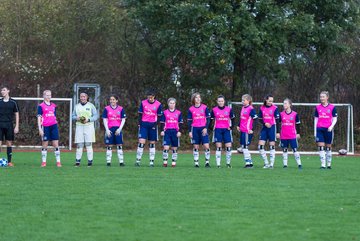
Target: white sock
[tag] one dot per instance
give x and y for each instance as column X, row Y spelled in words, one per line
column 207, row 155
column 120, row 154
column 218, row 156
column 285, row 157
column 247, row 155
column 79, row 152
column 152, row 153
column 263, row 155
column 228, row 155
column 43, row 154
column 140, row 151
column 57, row 154
column 108, row 154
column 272, row 156
column 90, row 152
column 165, row 155
column 297, row 158
column 322, row 158
column 328, row 157
column 174, row 156
column 196, row 155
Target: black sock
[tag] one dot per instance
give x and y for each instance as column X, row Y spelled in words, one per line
column 9, row 153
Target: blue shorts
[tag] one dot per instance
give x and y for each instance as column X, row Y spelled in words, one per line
column 245, row 139
column 170, row 138
column 113, row 139
column 222, row 135
column 268, row 133
column 149, row 131
column 292, row 142
column 51, row 133
column 198, row 137
column 323, row 135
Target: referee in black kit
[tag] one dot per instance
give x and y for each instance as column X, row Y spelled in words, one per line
column 8, row 109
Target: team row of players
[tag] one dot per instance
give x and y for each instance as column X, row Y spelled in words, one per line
column 199, row 119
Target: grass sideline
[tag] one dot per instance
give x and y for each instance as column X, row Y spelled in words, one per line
column 181, row 203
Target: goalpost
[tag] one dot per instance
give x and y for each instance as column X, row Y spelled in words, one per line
column 28, row 136
column 343, row 131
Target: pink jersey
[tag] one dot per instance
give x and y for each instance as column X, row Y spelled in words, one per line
column 222, row 117
column 198, row 115
column 269, row 114
column 114, row 115
column 288, row 125
column 325, row 115
column 172, row 119
column 48, row 114
column 150, row 111
column 247, row 116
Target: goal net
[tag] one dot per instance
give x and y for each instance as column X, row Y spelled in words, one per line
column 343, row 131
column 28, row 136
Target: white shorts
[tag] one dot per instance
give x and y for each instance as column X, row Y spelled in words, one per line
column 84, row 133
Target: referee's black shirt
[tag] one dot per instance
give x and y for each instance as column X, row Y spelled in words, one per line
column 7, row 110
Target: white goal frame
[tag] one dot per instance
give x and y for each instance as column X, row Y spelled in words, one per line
column 70, row 100
column 350, row 146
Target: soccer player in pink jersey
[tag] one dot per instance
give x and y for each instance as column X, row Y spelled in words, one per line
column 171, row 122
column 149, row 112
column 289, row 134
column 114, row 119
column 48, row 128
column 325, row 118
column 223, row 117
column 198, row 124
column 247, row 117
column 269, row 114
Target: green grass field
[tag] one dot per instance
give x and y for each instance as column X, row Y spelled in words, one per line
column 182, row 203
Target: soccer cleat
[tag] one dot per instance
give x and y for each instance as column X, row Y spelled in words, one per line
column 218, row 166
column 228, row 166
column 173, row 164
column 247, row 166
column 251, row 165
column 164, row 164
column 108, row 164
column 266, row 166
column 299, row 167
column 122, row 164
column 58, row 164
column 196, row 165
column 137, row 164
column 77, row 164
column 207, row 165
column 89, row 163
column 322, row 168
column 271, row 167
column 329, row 167
column 10, row 164
column 285, row 166
column 43, row 164
column 151, row 164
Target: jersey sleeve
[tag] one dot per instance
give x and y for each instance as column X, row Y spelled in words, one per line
column 189, row 115
column 260, row 115
column 276, row 113
column 207, row 113
column 180, row 120
column 16, row 107
column 159, row 110
column 334, row 112
column 212, row 115
column 39, row 111
column 232, row 115
column 123, row 114
column 140, row 108
column 253, row 114
column 316, row 114
column 297, row 119
column 104, row 114
column 162, row 119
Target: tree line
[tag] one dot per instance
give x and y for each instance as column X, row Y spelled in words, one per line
column 287, row 48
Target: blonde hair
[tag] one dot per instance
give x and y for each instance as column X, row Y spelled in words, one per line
column 247, row 97
column 171, row 99
column 325, row 93
column 46, row 91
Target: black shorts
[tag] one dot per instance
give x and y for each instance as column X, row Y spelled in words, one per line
column 6, row 131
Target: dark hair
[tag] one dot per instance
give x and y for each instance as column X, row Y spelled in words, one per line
column 115, row 96
column 193, row 96
column 267, row 97
column 5, row 87
column 220, row 96
column 150, row 91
